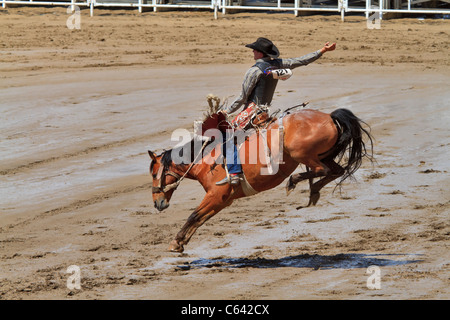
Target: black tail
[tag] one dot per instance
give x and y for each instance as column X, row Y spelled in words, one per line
column 350, row 144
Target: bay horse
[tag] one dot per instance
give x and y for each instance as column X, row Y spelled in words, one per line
column 329, row 145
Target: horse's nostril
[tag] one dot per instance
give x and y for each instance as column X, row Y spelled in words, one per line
column 161, row 204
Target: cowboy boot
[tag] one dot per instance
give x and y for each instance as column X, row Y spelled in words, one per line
column 232, row 179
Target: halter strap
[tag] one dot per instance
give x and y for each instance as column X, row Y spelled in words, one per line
column 169, row 186
column 178, row 178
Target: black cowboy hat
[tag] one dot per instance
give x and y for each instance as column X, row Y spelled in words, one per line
column 265, row 46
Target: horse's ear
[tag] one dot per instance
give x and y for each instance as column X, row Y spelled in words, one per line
column 152, row 155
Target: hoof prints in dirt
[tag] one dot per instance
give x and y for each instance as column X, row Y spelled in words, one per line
column 339, row 261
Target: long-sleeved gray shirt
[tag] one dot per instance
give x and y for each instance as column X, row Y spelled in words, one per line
column 253, row 75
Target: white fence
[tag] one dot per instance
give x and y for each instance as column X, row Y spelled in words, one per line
column 296, row 6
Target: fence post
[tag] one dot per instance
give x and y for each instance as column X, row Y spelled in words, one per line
column 381, row 8
column 224, row 11
column 367, row 8
column 215, row 4
column 91, row 7
column 140, row 6
column 343, row 5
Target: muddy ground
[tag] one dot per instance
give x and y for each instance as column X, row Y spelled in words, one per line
column 80, row 108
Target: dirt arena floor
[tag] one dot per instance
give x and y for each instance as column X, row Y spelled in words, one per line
column 80, row 108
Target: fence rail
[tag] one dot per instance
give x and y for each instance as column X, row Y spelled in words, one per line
column 296, row 6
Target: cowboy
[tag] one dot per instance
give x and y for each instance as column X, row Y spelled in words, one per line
column 259, row 87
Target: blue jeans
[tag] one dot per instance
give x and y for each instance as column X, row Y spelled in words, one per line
column 232, row 155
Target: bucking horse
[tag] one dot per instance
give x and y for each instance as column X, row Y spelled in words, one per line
column 330, row 146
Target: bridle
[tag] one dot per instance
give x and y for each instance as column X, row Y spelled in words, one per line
column 162, row 173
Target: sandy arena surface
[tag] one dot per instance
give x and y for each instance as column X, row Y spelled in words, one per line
column 80, row 108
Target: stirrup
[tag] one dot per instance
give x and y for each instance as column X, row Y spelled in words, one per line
column 233, row 180
column 223, row 181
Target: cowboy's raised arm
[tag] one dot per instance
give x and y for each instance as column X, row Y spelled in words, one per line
column 293, row 63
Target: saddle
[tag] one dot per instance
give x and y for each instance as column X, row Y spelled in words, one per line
column 253, row 117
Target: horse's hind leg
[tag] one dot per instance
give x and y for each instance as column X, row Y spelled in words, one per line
column 328, row 170
column 335, row 172
column 298, row 177
column 314, row 169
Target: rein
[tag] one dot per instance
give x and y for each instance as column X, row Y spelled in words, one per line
column 179, row 178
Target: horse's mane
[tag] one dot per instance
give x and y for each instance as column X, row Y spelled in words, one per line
column 168, row 155
column 166, row 159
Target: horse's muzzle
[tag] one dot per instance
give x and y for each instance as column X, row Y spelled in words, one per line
column 161, row 204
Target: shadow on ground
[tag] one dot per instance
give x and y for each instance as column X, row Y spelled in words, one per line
column 339, row 261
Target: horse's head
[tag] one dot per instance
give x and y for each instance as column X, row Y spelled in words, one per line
column 165, row 180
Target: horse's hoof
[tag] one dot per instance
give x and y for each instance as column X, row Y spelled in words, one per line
column 174, row 246
column 289, row 186
column 313, row 198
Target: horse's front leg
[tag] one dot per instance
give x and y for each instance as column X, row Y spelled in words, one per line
column 210, row 205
